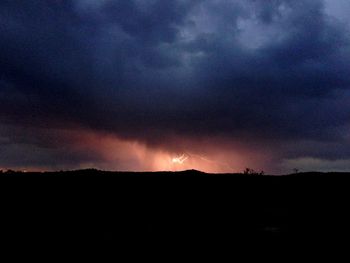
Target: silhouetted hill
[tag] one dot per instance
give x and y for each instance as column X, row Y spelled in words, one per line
column 186, row 173
column 164, row 210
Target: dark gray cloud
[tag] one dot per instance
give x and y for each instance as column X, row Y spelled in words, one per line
column 271, row 71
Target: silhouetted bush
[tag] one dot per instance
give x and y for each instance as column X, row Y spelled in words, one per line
column 249, row 171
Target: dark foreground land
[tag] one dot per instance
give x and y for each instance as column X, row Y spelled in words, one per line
column 86, row 210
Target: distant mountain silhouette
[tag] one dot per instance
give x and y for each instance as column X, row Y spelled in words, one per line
column 188, row 173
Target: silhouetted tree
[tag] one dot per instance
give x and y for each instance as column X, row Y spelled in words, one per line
column 249, row 171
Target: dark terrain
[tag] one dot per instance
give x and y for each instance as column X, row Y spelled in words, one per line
column 174, row 211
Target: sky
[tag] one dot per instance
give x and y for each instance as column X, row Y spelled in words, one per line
column 148, row 85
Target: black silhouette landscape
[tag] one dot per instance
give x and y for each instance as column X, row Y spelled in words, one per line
column 91, row 208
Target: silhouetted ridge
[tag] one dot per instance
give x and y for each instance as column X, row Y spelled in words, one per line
column 192, row 172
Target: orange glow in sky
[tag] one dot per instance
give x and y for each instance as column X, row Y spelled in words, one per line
column 134, row 156
column 107, row 152
column 126, row 155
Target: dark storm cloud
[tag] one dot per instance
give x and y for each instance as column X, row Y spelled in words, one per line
column 266, row 70
column 42, row 148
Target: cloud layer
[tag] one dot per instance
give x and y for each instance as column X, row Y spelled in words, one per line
column 265, row 79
